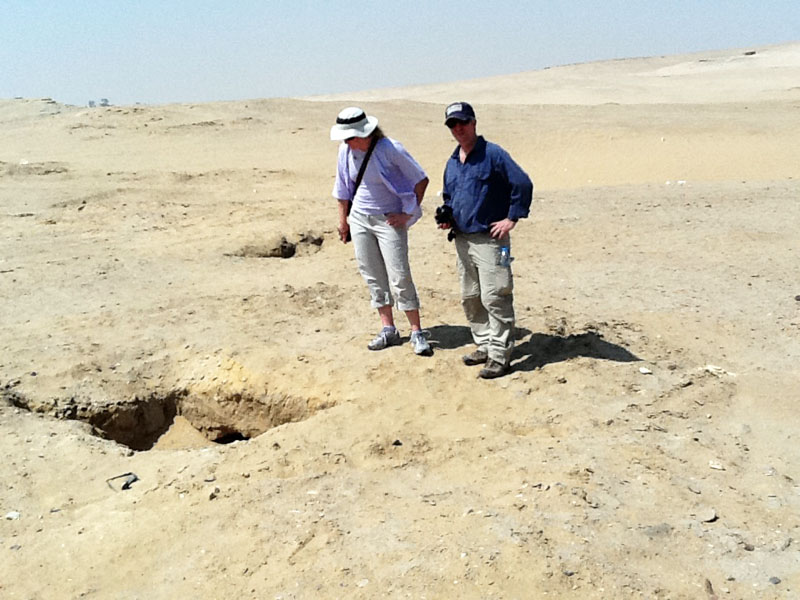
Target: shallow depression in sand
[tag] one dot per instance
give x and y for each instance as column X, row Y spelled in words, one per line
column 220, row 416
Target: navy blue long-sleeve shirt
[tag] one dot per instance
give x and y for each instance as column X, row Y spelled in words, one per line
column 488, row 187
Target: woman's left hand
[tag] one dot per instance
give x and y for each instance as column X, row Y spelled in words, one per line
column 398, row 219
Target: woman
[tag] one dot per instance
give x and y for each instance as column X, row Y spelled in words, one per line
column 377, row 209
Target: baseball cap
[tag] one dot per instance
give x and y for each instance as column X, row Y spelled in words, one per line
column 460, row 111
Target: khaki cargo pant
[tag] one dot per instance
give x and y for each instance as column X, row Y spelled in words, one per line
column 487, row 293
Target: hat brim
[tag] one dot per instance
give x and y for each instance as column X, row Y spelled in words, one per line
column 344, row 132
column 458, row 116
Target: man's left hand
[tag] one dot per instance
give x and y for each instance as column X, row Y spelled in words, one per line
column 501, row 228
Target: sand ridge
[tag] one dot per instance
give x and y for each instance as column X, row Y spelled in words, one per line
column 735, row 75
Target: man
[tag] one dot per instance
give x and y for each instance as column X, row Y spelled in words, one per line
column 488, row 192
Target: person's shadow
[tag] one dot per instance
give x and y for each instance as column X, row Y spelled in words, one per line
column 540, row 348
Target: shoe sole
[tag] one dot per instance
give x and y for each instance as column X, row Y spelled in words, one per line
column 471, row 362
column 389, row 345
column 493, row 374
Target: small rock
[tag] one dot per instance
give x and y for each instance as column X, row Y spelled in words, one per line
column 645, row 371
column 774, row 580
column 214, row 494
column 715, row 465
column 12, row 516
column 707, row 515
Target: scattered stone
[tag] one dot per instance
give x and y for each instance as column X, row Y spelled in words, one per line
column 707, row 515
column 718, row 371
column 710, row 590
column 214, row 494
column 12, row 516
column 645, row 371
column 774, row 580
column 749, row 547
column 716, row 465
column 129, row 479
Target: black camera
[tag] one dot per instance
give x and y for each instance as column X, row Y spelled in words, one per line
column 444, row 216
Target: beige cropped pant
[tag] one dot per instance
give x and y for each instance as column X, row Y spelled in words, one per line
column 382, row 257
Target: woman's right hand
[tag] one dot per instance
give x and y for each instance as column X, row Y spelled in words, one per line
column 344, row 229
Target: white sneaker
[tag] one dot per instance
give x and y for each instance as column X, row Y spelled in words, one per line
column 387, row 337
column 420, row 344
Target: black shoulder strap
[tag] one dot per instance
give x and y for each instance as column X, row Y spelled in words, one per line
column 360, row 176
column 364, row 164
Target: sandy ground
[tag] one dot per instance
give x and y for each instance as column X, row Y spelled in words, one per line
column 645, row 444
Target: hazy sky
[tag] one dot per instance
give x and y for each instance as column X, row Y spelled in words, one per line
column 157, row 51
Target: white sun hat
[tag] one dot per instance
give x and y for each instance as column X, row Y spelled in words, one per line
column 353, row 122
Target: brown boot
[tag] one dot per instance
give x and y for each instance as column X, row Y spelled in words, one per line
column 475, row 358
column 493, row 369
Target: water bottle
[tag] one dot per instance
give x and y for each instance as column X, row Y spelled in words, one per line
column 505, row 258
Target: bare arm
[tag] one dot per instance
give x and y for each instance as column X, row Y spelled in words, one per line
column 344, row 226
column 401, row 219
column 419, row 189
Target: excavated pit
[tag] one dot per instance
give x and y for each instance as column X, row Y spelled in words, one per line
column 138, row 423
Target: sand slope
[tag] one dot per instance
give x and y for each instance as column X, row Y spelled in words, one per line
column 744, row 74
column 645, row 444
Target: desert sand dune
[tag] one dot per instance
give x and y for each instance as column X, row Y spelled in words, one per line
column 175, row 304
column 740, row 75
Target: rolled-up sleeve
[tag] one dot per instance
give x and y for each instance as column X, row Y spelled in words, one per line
column 342, row 187
column 401, row 159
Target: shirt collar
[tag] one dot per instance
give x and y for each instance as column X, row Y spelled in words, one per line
column 480, row 144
